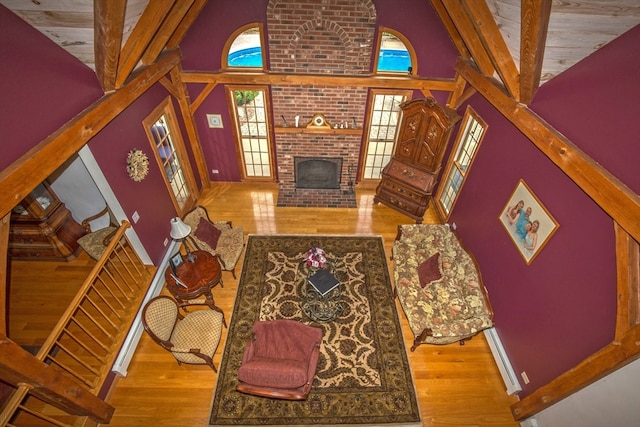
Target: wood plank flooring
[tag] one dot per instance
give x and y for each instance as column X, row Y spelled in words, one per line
column 457, row 385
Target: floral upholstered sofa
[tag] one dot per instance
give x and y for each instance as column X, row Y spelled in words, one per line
column 439, row 285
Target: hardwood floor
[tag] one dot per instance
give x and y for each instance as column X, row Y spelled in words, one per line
column 456, row 385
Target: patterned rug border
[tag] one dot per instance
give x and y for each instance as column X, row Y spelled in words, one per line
column 236, row 311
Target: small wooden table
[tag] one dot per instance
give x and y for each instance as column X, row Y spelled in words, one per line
column 200, row 276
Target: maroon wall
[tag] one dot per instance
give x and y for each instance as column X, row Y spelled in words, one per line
column 561, row 308
column 36, row 78
column 150, row 197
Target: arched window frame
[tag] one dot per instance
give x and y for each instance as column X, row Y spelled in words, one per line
column 408, row 46
column 233, row 37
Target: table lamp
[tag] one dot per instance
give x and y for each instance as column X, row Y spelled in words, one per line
column 179, row 232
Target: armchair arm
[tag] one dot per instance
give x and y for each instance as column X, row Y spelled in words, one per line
column 85, row 222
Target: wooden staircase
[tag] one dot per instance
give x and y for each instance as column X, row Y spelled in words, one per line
column 60, row 385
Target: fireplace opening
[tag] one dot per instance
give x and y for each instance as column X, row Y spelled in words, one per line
column 318, row 172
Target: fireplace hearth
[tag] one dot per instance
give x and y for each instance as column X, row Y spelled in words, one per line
column 318, row 172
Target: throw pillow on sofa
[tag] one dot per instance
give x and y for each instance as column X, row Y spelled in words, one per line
column 429, row 270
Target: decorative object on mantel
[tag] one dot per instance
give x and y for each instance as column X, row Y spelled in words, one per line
column 318, row 121
column 137, row 165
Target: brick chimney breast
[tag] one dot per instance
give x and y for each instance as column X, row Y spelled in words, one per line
column 319, row 37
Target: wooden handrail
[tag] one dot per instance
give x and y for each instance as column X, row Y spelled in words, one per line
column 84, row 343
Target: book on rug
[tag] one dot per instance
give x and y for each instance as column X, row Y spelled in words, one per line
column 323, row 281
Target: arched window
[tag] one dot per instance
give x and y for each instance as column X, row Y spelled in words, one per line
column 244, row 49
column 394, row 53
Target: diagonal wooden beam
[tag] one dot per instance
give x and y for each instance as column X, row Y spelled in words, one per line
column 451, row 28
column 611, row 194
column 185, row 24
column 142, row 34
column 628, row 260
column 534, row 22
column 19, row 178
column 47, row 382
column 467, row 29
column 168, row 27
column 190, row 125
column 494, row 44
column 108, row 17
column 4, row 283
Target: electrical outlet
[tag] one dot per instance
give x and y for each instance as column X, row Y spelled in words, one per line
column 454, row 226
column 215, row 171
column 525, row 378
column 135, row 217
column 166, row 241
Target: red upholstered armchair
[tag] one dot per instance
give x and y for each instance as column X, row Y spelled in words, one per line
column 281, row 359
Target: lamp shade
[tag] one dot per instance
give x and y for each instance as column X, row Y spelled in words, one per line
column 179, row 230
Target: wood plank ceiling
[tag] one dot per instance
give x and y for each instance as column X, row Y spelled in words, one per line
column 522, row 43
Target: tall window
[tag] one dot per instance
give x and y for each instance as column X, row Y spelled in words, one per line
column 467, row 144
column 252, row 130
column 244, row 49
column 395, row 53
column 169, row 151
column 384, row 116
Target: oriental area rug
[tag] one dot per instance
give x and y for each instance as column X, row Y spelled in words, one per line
column 363, row 376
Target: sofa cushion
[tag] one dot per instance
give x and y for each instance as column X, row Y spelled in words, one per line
column 429, row 270
column 207, row 233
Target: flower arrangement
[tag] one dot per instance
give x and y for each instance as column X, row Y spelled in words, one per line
column 137, row 165
column 315, row 257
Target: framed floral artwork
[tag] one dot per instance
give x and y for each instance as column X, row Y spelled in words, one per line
column 527, row 222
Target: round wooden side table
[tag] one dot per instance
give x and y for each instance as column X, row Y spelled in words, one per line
column 198, row 277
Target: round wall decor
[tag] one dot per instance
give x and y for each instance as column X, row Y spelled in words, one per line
column 318, row 120
column 137, row 165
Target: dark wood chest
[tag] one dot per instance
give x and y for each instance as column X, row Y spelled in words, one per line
column 409, row 179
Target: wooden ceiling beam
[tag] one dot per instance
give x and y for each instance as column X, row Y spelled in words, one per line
column 140, row 37
column 108, row 16
column 451, row 28
column 168, row 27
column 534, row 23
column 611, row 194
column 465, row 25
column 494, row 44
column 33, row 167
column 185, row 24
column 283, row 79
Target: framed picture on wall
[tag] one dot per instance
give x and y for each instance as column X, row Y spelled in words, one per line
column 527, row 222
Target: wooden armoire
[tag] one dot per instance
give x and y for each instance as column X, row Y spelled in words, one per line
column 410, row 176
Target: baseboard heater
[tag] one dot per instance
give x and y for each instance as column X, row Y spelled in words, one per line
column 504, row 365
column 130, row 343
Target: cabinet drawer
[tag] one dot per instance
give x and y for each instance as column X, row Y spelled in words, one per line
column 412, row 207
column 402, row 190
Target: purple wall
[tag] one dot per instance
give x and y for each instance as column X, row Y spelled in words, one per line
column 562, row 307
column 150, row 197
column 36, row 78
column 550, row 314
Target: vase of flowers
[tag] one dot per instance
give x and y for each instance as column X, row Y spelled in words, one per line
column 315, row 258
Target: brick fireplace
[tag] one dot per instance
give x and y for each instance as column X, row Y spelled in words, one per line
column 311, row 37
